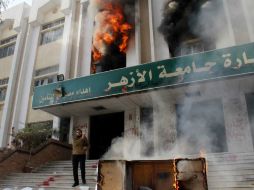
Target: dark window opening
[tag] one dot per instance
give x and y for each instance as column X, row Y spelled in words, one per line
column 200, row 126
column 113, row 60
column 104, row 129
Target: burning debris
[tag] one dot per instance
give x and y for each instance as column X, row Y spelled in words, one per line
column 179, row 17
column 111, row 34
column 178, row 174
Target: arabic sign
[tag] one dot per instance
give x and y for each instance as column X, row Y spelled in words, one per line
column 182, row 70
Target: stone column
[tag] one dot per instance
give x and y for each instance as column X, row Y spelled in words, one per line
column 65, row 56
column 133, row 56
column 26, row 77
column 237, row 125
column 5, row 126
column 249, row 16
column 88, row 27
column 161, row 50
column 81, row 41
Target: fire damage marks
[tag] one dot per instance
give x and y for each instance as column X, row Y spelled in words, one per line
column 178, row 174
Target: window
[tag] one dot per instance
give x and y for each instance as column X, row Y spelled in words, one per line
column 194, row 46
column 47, row 70
column 46, row 75
column 46, row 80
column 4, row 81
column 7, row 46
column 52, row 31
column 2, row 93
column 8, row 40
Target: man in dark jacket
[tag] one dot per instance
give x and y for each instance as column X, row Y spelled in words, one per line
column 79, row 148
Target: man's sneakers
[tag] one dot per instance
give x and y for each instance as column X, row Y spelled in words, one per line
column 84, row 181
column 75, row 184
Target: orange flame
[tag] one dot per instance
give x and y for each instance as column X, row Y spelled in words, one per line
column 111, row 28
column 203, row 154
column 175, row 184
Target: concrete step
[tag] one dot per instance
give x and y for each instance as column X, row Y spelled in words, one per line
column 230, row 173
column 50, row 173
column 46, row 187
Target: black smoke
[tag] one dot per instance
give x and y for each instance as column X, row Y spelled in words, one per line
column 179, row 16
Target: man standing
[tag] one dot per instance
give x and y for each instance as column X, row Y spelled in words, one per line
column 79, row 148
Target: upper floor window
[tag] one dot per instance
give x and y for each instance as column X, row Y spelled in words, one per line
column 2, row 93
column 46, row 76
column 7, row 46
column 194, row 46
column 4, row 81
column 52, row 31
column 46, row 71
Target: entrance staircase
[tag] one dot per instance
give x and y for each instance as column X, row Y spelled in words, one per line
column 225, row 172
column 230, row 171
column 55, row 175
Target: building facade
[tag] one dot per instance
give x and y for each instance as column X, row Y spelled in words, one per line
column 49, row 38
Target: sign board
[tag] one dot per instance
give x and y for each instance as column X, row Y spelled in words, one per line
column 220, row 63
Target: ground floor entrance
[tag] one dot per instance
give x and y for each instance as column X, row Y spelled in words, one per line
column 103, row 129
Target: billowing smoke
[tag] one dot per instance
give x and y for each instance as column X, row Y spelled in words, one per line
column 183, row 129
column 178, row 16
column 193, row 123
column 194, row 19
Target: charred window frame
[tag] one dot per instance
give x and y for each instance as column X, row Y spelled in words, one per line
column 52, row 31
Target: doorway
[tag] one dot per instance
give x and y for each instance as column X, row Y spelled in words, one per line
column 64, row 130
column 103, row 129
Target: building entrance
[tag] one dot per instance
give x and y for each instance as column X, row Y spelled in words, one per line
column 103, row 129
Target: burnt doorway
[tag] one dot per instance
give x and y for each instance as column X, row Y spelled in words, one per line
column 201, row 126
column 103, row 129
